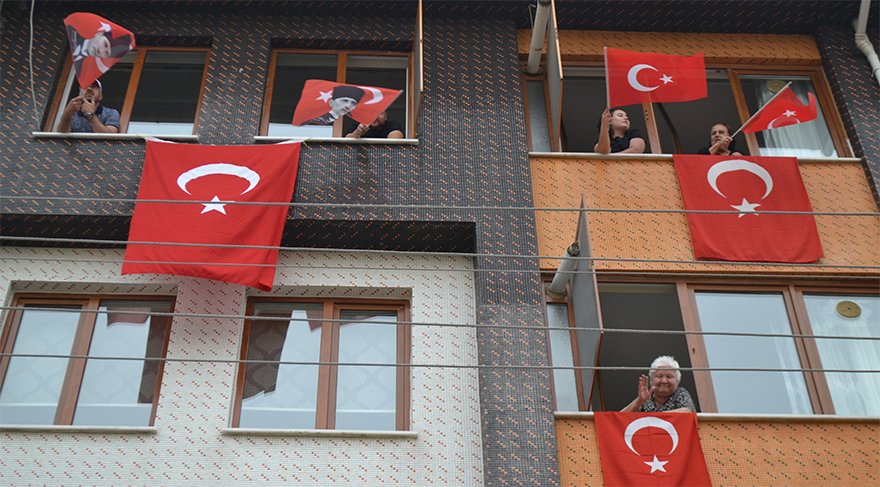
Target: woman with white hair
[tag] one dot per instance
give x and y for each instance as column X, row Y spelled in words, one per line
column 664, row 396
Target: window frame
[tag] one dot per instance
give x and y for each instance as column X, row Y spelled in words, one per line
column 341, row 72
column 141, row 52
column 75, row 370
column 325, row 405
column 575, row 351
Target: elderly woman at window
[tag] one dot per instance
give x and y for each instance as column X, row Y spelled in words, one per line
column 664, row 395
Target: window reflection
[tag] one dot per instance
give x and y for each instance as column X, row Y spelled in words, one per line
column 560, row 349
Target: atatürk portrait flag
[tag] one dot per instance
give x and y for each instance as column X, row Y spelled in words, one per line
column 207, row 238
column 323, row 102
column 646, row 77
column 748, row 187
column 96, row 44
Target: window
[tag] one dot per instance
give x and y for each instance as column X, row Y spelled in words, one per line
column 38, row 389
column 156, row 90
column 709, row 312
column 734, row 94
column 288, row 71
column 337, row 393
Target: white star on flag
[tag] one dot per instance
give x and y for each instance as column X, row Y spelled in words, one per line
column 788, row 113
column 325, row 96
column 656, row 465
column 746, row 207
column 219, row 207
column 666, row 79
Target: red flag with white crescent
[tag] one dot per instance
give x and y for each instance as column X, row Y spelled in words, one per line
column 637, row 77
column 782, row 110
column 750, row 186
column 323, row 102
column 650, row 449
column 96, row 44
column 223, row 241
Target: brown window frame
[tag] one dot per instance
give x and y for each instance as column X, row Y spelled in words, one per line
column 816, row 74
column 325, row 410
column 73, row 376
column 341, row 70
column 575, row 354
column 131, row 90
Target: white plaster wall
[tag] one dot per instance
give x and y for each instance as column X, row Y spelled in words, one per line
column 188, row 447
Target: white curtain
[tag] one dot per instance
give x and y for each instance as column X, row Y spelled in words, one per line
column 808, row 139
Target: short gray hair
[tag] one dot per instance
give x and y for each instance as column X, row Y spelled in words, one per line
column 665, row 361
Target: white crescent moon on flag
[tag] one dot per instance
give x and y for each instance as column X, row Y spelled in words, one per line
column 738, row 165
column 377, row 95
column 772, row 125
column 219, row 168
column 649, row 422
column 632, row 77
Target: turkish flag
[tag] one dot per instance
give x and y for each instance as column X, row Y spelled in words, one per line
column 95, row 45
column 188, row 172
column 650, row 449
column 322, row 102
column 785, row 108
column 750, row 185
column 637, row 77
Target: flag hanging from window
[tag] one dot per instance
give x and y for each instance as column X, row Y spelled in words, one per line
column 656, row 449
column 223, row 240
column 749, row 186
column 645, row 77
column 96, row 44
column 785, row 108
column 323, row 102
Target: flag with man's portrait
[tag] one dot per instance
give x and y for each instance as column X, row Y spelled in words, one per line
column 323, row 102
column 96, row 44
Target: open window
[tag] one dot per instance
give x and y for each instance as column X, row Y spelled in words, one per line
column 289, row 69
column 157, row 91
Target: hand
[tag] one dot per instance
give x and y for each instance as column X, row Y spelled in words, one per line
column 88, row 105
column 361, row 129
column 644, row 392
column 74, row 106
column 606, row 117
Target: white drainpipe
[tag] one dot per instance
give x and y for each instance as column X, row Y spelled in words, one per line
column 539, row 31
column 862, row 41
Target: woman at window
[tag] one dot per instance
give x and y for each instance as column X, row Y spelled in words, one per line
column 664, row 396
column 615, row 134
column 720, row 142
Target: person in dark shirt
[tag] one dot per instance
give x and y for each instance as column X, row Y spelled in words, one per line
column 720, row 142
column 615, row 134
column 664, row 394
column 381, row 128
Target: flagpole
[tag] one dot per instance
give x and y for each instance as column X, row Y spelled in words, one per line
column 607, row 90
column 759, row 110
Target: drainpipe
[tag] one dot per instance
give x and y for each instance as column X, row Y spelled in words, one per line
column 862, row 41
column 539, row 31
column 566, row 268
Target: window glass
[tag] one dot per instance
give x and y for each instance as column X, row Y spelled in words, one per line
column 366, row 395
column 32, row 385
column 168, row 93
column 853, row 394
column 291, row 72
column 282, row 395
column 808, row 139
column 121, row 392
column 562, row 352
column 538, row 125
column 752, row 392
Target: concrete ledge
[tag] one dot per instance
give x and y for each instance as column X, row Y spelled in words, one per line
column 401, row 435
column 335, row 140
column 655, row 157
column 118, row 430
column 753, row 418
column 92, row 136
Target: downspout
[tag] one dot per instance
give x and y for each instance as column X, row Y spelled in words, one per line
column 539, row 31
column 862, row 41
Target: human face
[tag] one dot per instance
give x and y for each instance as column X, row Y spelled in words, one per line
column 99, row 46
column 664, row 382
column 92, row 93
column 343, row 104
column 719, row 131
column 619, row 121
column 380, row 120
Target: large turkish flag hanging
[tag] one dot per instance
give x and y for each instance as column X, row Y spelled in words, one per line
column 750, row 186
column 650, row 449
column 223, row 240
column 95, row 45
column 645, row 77
column 323, row 102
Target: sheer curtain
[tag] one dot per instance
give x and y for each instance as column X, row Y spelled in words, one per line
column 808, row 139
column 854, row 394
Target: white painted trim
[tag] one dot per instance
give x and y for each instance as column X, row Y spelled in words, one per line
column 401, row 435
column 121, row 430
column 657, row 157
column 336, row 140
column 752, row 418
column 94, row 136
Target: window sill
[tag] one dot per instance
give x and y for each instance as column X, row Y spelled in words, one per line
column 335, row 140
column 93, row 136
column 122, row 430
column 658, row 157
column 752, row 418
column 401, row 435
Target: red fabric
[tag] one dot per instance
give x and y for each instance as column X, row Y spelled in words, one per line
column 636, row 77
column 658, row 460
column 186, row 172
column 785, row 109
column 768, row 184
column 315, row 101
column 85, row 26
